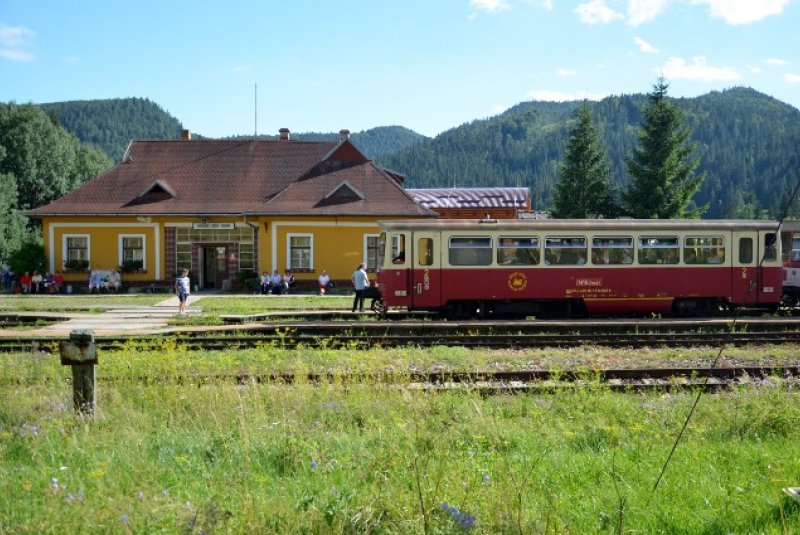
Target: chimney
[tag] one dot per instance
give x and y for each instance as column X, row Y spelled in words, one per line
column 186, row 135
column 344, row 135
column 284, row 134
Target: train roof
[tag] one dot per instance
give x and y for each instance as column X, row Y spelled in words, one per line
column 583, row 225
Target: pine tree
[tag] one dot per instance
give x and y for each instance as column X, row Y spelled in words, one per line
column 583, row 188
column 662, row 168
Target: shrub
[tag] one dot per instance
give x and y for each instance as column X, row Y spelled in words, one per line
column 30, row 256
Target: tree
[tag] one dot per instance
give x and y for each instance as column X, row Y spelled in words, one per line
column 662, row 168
column 583, row 189
column 43, row 159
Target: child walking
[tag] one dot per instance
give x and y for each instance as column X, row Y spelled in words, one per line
column 182, row 289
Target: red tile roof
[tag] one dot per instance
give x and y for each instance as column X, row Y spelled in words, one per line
column 232, row 177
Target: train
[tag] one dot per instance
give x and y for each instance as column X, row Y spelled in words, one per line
column 522, row 268
column 790, row 247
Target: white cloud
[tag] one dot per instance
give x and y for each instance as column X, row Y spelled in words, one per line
column 792, row 78
column 776, row 61
column 547, row 4
column 699, row 69
column 641, row 11
column 752, row 69
column 555, row 96
column 644, row 46
column 736, row 12
column 597, row 12
column 489, row 5
column 12, row 43
column 561, row 71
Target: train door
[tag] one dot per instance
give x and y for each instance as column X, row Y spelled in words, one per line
column 395, row 277
column 745, row 280
column 754, row 255
column 426, row 273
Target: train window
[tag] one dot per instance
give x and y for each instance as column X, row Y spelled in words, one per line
column 790, row 247
column 704, row 250
column 745, row 250
column 770, row 247
column 381, row 248
column 565, row 251
column 612, row 250
column 399, row 249
column 517, row 251
column 659, row 250
column 425, row 251
column 470, row 251
column 795, row 248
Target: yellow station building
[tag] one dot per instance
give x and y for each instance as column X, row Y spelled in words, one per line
column 221, row 207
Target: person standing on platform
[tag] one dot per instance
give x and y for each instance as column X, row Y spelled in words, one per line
column 360, row 282
column 182, row 289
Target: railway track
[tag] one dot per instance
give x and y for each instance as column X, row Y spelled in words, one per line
column 538, row 334
column 498, row 382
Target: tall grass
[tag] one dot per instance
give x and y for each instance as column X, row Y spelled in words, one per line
column 176, row 455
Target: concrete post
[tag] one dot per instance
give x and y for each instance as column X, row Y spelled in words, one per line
column 80, row 353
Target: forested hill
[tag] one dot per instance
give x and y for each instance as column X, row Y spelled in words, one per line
column 112, row 124
column 747, row 143
column 374, row 142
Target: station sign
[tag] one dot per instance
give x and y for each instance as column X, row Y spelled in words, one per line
column 212, row 226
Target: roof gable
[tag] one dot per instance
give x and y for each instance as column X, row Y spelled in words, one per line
column 341, row 194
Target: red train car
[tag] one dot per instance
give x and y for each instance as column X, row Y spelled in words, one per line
column 518, row 268
column 790, row 245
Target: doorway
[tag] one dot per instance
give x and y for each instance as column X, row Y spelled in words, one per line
column 214, row 266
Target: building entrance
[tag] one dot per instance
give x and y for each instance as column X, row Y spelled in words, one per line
column 214, row 266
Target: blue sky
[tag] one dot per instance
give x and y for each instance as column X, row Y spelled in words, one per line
column 428, row 65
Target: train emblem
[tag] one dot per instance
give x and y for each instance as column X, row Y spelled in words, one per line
column 517, row 281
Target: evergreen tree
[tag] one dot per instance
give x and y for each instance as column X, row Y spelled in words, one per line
column 662, row 169
column 583, row 189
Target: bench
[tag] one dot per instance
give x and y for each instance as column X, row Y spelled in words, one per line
column 103, row 275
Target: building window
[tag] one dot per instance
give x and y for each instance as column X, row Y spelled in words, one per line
column 300, row 252
column 131, row 252
column 244, row 236
column 371, row 251
column 76, row 251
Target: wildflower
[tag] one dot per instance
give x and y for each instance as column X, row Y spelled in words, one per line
column 70, row 497
column 486, row 478
column 313, row 464
column 54, row 483
column 164, row 493
column 124, row 519
column 140, row 495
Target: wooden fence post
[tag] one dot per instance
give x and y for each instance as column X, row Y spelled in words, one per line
column 80, row 353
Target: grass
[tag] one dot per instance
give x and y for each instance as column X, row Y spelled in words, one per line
column 246, row 305
column 182, row 456
column 59, row 303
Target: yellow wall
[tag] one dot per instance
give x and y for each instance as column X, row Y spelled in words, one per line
column 338, row 244
column 104, row 244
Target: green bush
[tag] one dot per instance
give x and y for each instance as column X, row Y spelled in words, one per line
column 30, row 256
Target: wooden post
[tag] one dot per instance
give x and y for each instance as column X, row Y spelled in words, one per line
column 80, row 353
